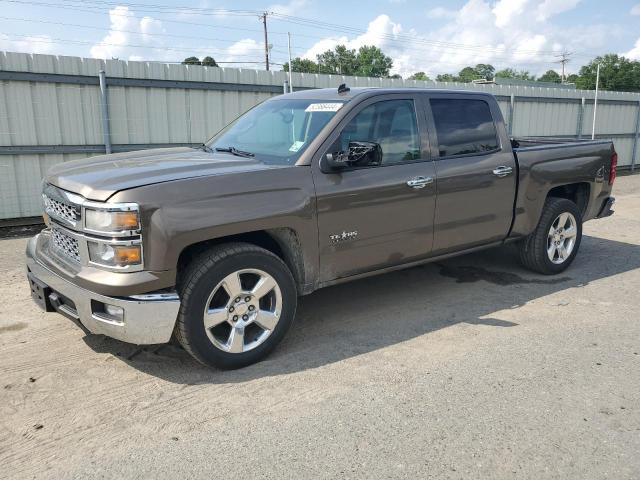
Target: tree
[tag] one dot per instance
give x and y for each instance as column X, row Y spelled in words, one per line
column 303, row 65
column 419, row 76
column 616, row 73
column 191, row 61
column 396, row 76
column 573, row 78
column 371, row 62
column 341, row 60
column 446, row 77
column 367, row 61
column 482, row 71
column 209, row 62
column 550, row 76
column 485, row 70
column 515, row 74
column 467, row 75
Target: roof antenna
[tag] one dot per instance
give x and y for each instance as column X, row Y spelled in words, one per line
column 343, row 88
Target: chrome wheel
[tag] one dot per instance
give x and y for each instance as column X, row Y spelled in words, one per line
column 242, row 310
column 562, row 238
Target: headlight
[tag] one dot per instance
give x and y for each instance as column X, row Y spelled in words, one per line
column 111, row 221
column 115, row 255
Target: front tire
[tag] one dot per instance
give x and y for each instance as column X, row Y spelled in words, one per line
column 237, row 303
column 554, row 244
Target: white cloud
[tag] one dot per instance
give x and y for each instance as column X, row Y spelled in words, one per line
column 291, row 8
column 549, row 8
column 116, row 44
column 504, row 10
column 635, row 10
column 27, row 44
column 441, row 12
column 634, row 53
column 506, row 33
column 245, row 49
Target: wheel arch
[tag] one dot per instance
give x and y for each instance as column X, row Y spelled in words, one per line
column 282, row 242
column 578, row 193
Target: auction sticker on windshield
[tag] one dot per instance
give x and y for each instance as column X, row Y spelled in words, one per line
column 323, row 107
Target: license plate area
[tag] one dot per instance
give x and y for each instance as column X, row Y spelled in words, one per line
column 40, row 293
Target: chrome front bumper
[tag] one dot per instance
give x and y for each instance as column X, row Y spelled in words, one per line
column 148, row 319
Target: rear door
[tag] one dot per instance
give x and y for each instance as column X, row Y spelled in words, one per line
column 373, row 216
column 476, row 171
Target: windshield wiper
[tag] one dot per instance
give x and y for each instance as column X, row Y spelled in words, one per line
column 235, row 151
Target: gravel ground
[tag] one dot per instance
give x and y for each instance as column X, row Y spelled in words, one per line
column 468, row 368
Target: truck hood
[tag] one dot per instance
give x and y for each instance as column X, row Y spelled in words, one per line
column 98, row 178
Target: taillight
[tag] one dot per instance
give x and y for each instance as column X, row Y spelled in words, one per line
column 614, row 167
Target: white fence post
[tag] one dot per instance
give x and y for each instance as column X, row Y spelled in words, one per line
column 104, row 107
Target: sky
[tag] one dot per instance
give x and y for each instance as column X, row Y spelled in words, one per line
column 434, row 36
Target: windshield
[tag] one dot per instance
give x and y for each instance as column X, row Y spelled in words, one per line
column 276, row 131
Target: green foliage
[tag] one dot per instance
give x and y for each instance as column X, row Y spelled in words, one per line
column 206, row 61
column 367, row 61
column 447, row 77
column 302, row 65
column 616, row 73
column 515, row 74
column 485, row 71
column 550, row 76
column 467, row 75
column 209, row 62
column 371, row 62
column 419, row 76
column 481, row 71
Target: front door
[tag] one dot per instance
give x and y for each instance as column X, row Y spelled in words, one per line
column 476, row 172
column 373, row 215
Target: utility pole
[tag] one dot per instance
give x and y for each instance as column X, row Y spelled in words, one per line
column 564, row 59
column 595, row 104
column 290, row 66
column 266, row 40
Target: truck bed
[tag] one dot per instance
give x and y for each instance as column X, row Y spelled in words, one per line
column 520, row 144
column 546, row 163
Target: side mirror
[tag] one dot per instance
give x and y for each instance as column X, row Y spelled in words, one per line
column 359, row 154
column 333, row 161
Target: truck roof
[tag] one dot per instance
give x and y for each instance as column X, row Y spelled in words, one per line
column 332, row 93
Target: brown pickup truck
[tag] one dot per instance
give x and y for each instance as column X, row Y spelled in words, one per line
column 213, row 245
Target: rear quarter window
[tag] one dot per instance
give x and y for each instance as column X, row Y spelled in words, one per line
column 463, row 127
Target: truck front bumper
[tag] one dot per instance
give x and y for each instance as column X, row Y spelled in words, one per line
column 141, row 319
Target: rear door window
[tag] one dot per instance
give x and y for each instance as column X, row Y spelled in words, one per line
column 463, row 127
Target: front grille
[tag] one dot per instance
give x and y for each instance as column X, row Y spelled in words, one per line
column 57, row 209
column 65, row 244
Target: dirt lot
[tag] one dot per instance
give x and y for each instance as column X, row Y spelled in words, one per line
column 469, row 368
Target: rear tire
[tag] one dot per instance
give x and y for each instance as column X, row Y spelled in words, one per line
column 237, row 303
column 554, row 244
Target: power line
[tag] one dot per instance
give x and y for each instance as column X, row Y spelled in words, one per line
column 90, row 27
column 167, row 9
column 37, row 38
column 417, row 45
column 403, row 38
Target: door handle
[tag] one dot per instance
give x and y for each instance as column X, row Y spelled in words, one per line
column 502, row 171
column 419, row 182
